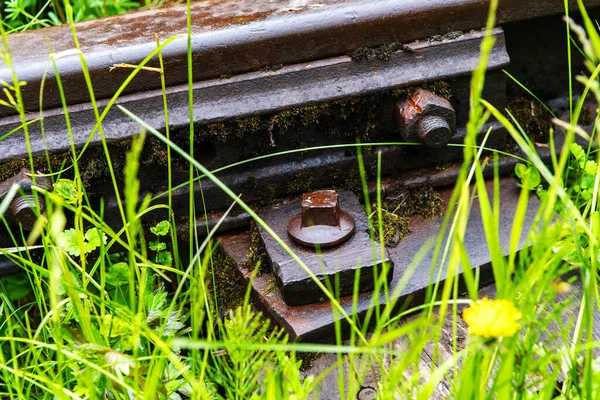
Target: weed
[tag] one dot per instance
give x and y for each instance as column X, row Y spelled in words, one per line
column 92, row 318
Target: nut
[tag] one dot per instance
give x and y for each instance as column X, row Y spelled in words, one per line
column 321, row 222
column 22, row 208
column 427, row 118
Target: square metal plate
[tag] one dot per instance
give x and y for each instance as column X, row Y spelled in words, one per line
column 336, row 266
column 316, row 322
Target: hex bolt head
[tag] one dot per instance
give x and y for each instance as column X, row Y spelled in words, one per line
column 427, row 118
column 321, row 222
column 23, row 208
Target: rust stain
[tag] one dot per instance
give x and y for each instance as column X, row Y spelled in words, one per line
column 414, row 104
column 142, row 26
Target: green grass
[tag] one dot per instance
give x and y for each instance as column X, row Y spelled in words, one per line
column 23, row 15
column 114, row 312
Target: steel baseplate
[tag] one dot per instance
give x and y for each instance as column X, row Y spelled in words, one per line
column 316, row 322
column 337, row 266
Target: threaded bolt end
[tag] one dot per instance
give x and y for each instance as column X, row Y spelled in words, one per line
column 434, row 131
column 23, row 210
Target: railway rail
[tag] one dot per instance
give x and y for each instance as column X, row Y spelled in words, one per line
column 278, row 76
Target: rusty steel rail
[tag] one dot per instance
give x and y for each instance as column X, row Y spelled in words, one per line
column 235, row 37
column 260, row 92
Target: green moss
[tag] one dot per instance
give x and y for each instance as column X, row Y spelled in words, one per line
column 425, row 202
column 224, row 282
column 41, row 164
column 11, row 168
column 248, row 124
column 256, row 252
column 381, row 53
column 396, row 212
column 301, row 116
column 446, row 165
column 272, row 288
column 448, row 36
column 251, row 182
column 274, row 67
column 267, row 197
column 307, row 359
column 335, row 172
column 354, row 181
column 533, row 118
column 218, row 131
column 441, row 88
column 394, row 227
column 222, row 131
column 300, row 183
column 586, row 117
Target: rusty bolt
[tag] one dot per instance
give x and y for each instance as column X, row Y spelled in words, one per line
column 321, row 222
column 22, row 208
column 366, row 393
column 320, row 208
column 427, row 118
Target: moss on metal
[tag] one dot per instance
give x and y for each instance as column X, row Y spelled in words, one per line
column 257, row 254
column 223, row 280
column 533, row 118
column 396, row 212
column 300, row 183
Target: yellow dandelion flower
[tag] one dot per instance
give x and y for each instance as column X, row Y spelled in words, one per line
column 492, row 318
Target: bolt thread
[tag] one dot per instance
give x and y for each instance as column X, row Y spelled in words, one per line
column 434, row 131
column 20, row 203
column 23, row 210
column 431, row 123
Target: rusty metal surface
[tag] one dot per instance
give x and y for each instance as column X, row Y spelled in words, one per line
column 327, row 168
column 266, row 91
column 427, row 118
column 409, row 180
column 335, row 266
column 22, row 209
column 233, row 37
column 315, row 322
column 321, row 223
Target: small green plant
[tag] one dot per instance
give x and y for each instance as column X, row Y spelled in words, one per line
column 68, row 190
column 528, row 175
column 243, row 371
column 579, row 181
column 75, row 246
column 581, row 175
column 163, row 256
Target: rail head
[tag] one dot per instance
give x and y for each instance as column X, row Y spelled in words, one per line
column 234, row 37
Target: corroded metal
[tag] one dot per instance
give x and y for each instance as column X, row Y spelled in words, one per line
column 321, row 223
column 317, row 322
column 266, row 92
column 234, row 37
column 346, row 267
column 23, row 209
column 426, row 117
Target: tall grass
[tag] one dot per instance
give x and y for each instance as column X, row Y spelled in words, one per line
column 115, row 312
